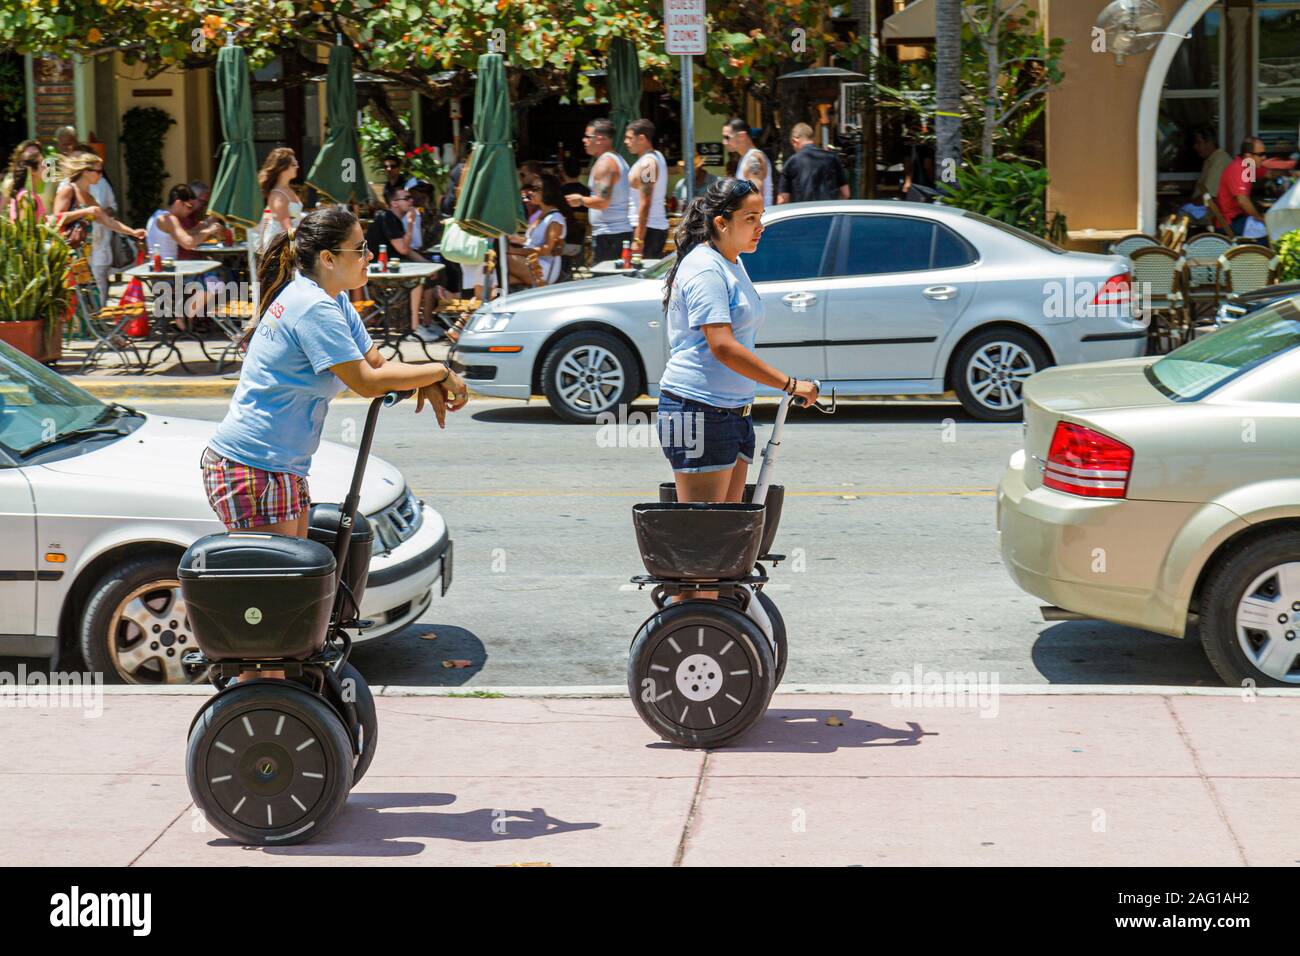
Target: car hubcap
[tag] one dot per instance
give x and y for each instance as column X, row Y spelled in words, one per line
column 589, row 378
column 1268, row 623
column 997, row 373
column 148, row 634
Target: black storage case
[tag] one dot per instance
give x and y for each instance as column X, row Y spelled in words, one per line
column 323, row 525
column 258, row 596
column 698, row 541
column 775, row 498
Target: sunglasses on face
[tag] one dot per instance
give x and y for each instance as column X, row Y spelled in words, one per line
column 363, row 249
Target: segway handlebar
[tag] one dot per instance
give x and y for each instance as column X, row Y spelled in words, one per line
column 392, row 398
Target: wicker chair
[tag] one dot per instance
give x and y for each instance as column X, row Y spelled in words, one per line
column 1157, row 287
column 1204, row 250
column 1245, row 268
column 1217, row 220
column 1129, row 244
column 105, row 322
column 1177, row 234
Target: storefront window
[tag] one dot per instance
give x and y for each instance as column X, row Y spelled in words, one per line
column 1278, row 77
column 1190, row 99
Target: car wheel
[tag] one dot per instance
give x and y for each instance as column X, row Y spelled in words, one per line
column 135, row 626
column 991, row 370
column 587, row 373
column 1250, row 614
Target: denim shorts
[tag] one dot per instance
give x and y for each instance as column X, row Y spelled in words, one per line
column 699, row 438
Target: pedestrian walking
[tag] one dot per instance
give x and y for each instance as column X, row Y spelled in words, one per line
column 647, row 207
column 811, row 173
column 607, row 205
column 753, row 163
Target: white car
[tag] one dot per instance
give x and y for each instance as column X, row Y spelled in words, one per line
column 98, row 502
column 873, row 298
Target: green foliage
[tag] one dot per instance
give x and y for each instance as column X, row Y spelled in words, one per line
column 1014, row 193
column 143, row 129
column 13, row 89
column 1029, row 67
column 378, row 139
column 1288, row 250
column 32, row 283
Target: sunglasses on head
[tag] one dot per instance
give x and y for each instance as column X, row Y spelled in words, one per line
column 741, row 187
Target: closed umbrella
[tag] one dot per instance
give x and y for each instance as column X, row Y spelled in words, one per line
column 336, row 174
column 488, row 203
column 236, row 196
column 624, row 89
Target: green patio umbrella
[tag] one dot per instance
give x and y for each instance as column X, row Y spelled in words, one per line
column 337, row 172
column 624, row 81
column 236, row 196
column 488, row 203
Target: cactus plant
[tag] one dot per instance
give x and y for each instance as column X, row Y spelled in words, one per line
column 33, row 282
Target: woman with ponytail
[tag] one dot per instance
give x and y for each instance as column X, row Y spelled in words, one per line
column 307, row 345
column 714, row 313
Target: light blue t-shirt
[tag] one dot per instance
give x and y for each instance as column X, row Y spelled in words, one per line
column 278, row 410
column 709, row 289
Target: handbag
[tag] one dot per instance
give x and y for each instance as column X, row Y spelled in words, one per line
column 123, row 251
column 463, row 247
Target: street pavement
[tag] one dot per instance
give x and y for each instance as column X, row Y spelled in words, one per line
column 889, row 520
column 840, row 780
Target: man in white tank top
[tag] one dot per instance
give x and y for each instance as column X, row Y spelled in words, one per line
column 607, row 204
column 647, row 190
column 753, row 165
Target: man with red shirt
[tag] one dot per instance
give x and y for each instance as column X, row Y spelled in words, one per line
column 1237, row 182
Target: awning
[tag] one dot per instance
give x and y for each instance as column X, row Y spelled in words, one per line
column 916, row 21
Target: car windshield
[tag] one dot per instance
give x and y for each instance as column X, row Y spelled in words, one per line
column 38, row 406
column 1018, row 233
column 660, row 269
column 1202, row 365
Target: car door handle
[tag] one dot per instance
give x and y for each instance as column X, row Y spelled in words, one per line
column 940, row 292
column 799, row 301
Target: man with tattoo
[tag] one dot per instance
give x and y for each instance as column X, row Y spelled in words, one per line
column 648, row 190
column 607, row 204
column 753, row 165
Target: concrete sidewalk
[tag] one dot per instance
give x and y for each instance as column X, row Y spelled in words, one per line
column 1164, row 779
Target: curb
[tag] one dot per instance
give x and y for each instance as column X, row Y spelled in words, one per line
column 620, row 690
column 119, row 388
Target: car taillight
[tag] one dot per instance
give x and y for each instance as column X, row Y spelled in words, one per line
column 1088, row 463
column 1117, row 290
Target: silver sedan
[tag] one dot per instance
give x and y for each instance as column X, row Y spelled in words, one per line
column 874, row 298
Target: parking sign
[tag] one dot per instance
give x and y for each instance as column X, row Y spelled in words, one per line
column 684, row 27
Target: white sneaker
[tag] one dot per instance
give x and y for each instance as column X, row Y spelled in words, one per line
column 426, row 334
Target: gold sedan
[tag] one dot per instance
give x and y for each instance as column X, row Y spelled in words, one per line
column 1154, row 491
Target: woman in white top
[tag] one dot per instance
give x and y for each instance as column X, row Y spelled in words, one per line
column 545, row 234
column 283, row 207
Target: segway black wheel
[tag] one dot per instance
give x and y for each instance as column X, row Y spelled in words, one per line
column 367, row 730
column 700, row 673
column 269, row 764
column 778, row 633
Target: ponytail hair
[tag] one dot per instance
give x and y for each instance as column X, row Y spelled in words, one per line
column 297, row 251
column 721, row 198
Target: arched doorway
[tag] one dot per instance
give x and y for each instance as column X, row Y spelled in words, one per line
column 1187, row 16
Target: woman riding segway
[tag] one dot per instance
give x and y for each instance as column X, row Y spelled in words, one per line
column 713, row 314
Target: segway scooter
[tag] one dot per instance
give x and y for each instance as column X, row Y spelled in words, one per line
column 700, row 672
column 269, row 761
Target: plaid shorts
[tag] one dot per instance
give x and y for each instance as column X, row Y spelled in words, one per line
column 248, row 497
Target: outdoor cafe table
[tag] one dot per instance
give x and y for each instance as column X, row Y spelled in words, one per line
column 387, row 288
column 177, row 275
column 613, row 267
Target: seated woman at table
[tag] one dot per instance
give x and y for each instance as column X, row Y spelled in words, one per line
column 399, row 228
column 544, row 237
column 75, row 213
column 165, row 235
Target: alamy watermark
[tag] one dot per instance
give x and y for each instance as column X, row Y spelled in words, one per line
column 926, row 688
column 55, row 689
column 624, row 428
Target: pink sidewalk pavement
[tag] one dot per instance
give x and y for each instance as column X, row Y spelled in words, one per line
column 1123, row 779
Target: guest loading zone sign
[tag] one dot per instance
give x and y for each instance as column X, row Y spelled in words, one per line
column 684, row 27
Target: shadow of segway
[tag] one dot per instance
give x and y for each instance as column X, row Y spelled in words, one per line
column 788, row 730
column 372, row 825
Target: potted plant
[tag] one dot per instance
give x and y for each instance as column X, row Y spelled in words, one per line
column 34, row 294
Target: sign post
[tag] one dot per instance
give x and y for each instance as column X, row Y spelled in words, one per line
column 685, row 35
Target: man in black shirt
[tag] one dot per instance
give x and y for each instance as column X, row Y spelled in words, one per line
column 811, row 173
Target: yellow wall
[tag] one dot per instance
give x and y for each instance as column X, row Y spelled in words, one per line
column 1092, row 123
column 187, row 145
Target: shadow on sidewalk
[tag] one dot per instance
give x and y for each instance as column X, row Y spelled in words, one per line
column 786, row 730
column 370, row 826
